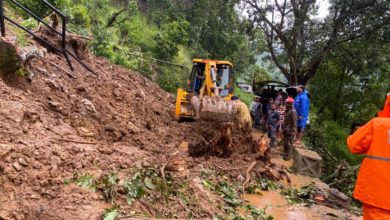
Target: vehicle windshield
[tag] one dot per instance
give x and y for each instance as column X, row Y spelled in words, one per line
column 224, row 78
column 197, row 78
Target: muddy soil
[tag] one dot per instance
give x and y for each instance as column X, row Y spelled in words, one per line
column 54, row 126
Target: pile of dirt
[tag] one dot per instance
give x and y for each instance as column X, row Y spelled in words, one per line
column 54, row 126
column 112, row 132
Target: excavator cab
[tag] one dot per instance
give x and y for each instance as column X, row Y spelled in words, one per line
column 208, row 78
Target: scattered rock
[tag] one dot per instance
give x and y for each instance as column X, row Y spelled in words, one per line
column 78, row 165
column 32, row 51
column 43, row 71
column 149, row 125
column 17, row 166
column 23, row 161
column 177, row 164
column 88, row 105
column 338, row 194
column 132, row 128
column 241, row 178
column 13, row 109
column 4, row 150
column 10, row 61
column 37, row 165
column 54, row 171
column 116, row 93
column 31, row 117
column 54, row 105
column 140, row 93
column 76, row 150
column 52, row 84
column 183, row 146
column 106, row 150
column 85, row 132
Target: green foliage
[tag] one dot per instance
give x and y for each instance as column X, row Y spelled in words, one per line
column 350, row 86
column 144, row 182
column 254, row 73
column 110, row 214
column 303, row 195
column 110, row 186
column 175, row 31
column 219, row 183
column 302, row 41
column 79, row 16
column 85, row 181
column 245, row 97
column 172, row 78
column 329, row 140
column 37, row 7
column 171, row 35
column 29, row 24
column 20, row 72
column 256, row 213
column 134, row 189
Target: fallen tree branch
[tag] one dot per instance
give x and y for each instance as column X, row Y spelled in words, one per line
column 75, row 141
column 248, row 176
column 162, row 171
column 44, row 213
column 62, row 69
column 286, row 175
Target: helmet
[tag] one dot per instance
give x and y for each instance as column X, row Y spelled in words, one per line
column 289, row 101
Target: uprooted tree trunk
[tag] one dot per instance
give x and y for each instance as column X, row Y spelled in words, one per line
column 223, row 127
column 222, row 140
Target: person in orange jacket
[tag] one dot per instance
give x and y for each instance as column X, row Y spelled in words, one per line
column 373, row 182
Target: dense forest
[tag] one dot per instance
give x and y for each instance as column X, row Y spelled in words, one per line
column 343, row 58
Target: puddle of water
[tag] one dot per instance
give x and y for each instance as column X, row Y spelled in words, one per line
column 272, row 201
column 277, row 206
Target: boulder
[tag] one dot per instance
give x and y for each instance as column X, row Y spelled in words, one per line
column 10, row 61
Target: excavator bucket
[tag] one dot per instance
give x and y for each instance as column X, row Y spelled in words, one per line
column 214, row 109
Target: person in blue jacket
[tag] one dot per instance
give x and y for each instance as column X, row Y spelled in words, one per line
column 301, row 105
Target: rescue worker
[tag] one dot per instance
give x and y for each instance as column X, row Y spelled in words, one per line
column 372, row 185
column 243, row 116
column 272, row 125
column 256, row 111
column 289, row 128
column 301, row 105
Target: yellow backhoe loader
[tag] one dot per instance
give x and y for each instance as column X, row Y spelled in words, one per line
column 209, row 91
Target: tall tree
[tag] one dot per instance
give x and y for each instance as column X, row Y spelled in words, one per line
column 217, row 32
column 298, row 41
column 352, row 82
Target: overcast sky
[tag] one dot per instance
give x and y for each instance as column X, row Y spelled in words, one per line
column 323, row 10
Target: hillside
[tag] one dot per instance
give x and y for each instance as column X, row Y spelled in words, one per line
column 120, row 119
column 106, row 145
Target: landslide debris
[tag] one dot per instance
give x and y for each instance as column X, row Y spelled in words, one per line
column 58, row 126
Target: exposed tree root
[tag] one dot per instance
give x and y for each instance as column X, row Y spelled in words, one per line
column 248, row 175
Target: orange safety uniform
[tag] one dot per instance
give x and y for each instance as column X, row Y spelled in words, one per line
column 373, row 182
column 386, row 109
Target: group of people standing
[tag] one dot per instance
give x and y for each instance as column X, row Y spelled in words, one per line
column 282, row 117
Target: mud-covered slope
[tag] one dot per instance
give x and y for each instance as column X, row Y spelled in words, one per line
column 55, row 126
